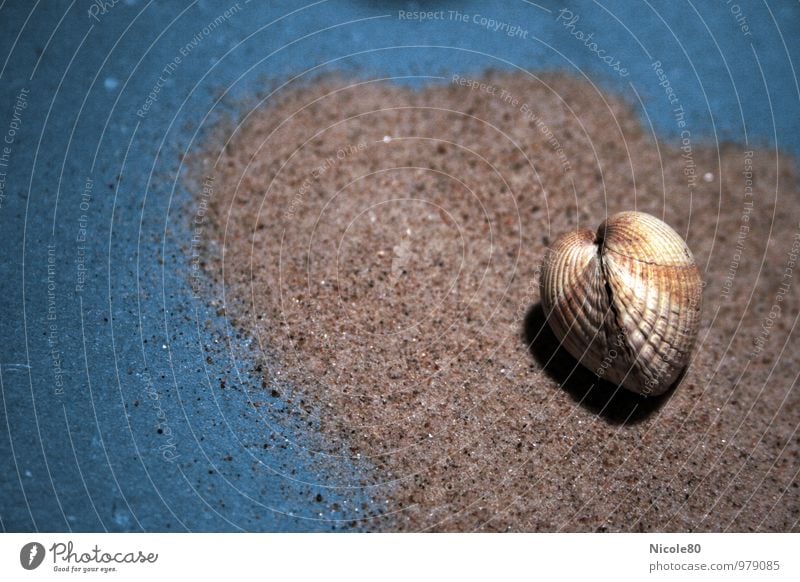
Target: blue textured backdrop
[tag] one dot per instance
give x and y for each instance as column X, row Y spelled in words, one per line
column 131, row 406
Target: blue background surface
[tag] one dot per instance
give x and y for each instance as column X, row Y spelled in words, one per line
column 139, row 354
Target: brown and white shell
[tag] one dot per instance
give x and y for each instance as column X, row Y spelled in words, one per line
column 625, row 301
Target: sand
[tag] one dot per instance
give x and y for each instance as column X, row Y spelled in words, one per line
column 382, row 247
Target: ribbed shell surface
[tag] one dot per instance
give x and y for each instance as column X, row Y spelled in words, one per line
column 625, row 301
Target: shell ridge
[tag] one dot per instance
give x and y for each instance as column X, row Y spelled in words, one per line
column 691, row 262
column 624, row 343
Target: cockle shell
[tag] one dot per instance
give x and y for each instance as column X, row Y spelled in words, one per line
column 625, row 301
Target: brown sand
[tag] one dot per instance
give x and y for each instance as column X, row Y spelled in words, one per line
column 396, row 286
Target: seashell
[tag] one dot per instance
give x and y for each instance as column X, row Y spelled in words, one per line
column 625, row 301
